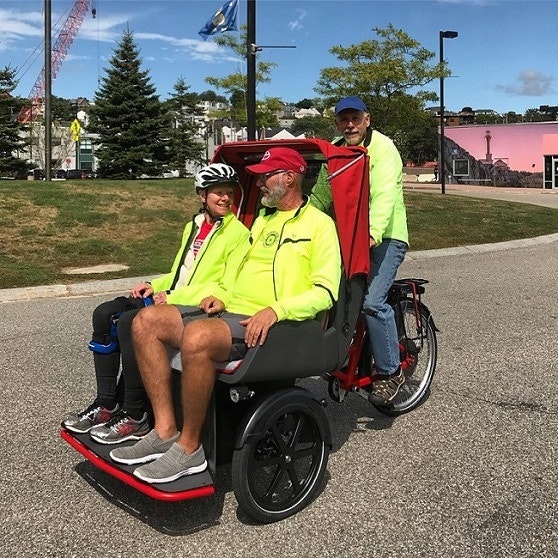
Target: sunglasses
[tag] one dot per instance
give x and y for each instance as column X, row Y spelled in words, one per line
column 268, row 175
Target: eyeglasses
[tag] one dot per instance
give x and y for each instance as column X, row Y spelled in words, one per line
column 268, row 175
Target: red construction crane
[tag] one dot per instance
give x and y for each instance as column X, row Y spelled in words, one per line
column 64, row 40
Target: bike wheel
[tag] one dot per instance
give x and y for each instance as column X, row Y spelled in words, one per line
column 280, row 467
column 419, row 350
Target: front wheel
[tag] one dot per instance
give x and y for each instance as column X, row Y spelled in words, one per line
column 279, row 465
column 419, row 350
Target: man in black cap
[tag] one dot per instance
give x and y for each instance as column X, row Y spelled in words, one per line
column 388, row 237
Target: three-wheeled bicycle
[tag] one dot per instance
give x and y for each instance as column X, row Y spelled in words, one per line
column 275, row 433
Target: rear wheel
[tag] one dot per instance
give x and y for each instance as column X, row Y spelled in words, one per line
column 419, row 350
column 280, row 466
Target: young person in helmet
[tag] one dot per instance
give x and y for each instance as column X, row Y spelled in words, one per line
column 214, row 244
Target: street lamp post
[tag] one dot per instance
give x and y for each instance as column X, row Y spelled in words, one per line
column 441, row 162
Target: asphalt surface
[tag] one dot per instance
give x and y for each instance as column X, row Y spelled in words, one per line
column 471, row 473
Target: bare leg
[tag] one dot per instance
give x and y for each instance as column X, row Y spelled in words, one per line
column 152, row 329
column 204, row 342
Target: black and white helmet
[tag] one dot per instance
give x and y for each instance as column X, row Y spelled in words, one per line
column 213, row 174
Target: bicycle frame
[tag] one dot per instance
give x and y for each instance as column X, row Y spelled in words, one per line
column 357, row 373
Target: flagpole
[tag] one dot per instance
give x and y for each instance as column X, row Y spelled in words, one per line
column 251, row 68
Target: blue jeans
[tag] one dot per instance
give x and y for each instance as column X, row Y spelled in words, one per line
column 385, row 260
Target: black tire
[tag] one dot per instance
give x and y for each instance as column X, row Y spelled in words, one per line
column 420, row 373
column 281, row 455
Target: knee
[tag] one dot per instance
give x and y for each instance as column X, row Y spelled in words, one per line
column 102, row 317
column 372, row 305
column 206, row 339
column 194, row 340
column 142, row 322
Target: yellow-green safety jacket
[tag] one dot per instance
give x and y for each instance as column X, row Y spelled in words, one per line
column 306, row 266
column 388, row 218
column 215, row 265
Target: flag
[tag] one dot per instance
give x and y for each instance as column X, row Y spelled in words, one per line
column 224, row 19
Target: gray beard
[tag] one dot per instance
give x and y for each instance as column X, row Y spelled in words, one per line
column 271, row 199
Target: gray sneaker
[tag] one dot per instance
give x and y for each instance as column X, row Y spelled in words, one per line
column 149, row 448
column 120, row 428
column 174, row 464
column 85, row 420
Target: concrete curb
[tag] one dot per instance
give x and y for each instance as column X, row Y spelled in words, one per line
column 115, row 286
column 481, row 248
column 71, row 290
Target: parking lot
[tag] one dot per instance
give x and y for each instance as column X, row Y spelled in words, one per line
column 472, row 473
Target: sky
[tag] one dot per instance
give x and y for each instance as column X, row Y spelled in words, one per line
column 503, row 59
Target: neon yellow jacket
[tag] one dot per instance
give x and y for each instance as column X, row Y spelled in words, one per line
column 215, row 266
column 306, row 266
column 388, row 217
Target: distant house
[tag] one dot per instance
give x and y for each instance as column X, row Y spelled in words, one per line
column 302, row 113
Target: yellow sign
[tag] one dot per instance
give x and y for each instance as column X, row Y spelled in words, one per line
column 75, row 128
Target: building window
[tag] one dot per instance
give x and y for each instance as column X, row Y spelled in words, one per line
column 85, row 146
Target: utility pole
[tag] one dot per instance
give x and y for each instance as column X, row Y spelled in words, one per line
column 251, row 50
column 441, row 158
column 48, row 83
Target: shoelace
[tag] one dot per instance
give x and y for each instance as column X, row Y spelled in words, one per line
column 117, row 420
column 90, row 410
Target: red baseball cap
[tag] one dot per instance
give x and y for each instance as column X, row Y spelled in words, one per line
column 279, row 158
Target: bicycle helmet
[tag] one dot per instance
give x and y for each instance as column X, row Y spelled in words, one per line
column 213, row 174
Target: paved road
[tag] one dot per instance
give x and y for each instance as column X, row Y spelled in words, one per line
column 472, row 473
column 535, row 196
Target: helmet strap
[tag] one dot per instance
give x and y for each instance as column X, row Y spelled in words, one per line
column 212, row 217
column 205, row 208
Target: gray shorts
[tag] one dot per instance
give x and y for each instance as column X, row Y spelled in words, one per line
column 239, row 347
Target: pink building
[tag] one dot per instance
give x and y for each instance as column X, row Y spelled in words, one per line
column 531, row 147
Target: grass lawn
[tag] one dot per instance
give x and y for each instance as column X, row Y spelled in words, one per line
column 46, row 228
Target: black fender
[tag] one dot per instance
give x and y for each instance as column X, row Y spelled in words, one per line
column 428, row 314
column 253, row 423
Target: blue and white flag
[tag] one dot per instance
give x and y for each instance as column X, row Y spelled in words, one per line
column 224, row 19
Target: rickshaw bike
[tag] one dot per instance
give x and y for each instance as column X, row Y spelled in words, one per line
column 274, row 433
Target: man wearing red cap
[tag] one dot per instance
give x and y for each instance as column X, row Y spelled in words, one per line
column 292, row 272
column 388, row 237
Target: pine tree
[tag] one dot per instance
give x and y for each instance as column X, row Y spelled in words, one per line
column 10, row 140
column 129, row 118
column 184, row 146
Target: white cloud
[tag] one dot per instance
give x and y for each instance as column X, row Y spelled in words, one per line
column 15, row 26
column 529, row 83
column 196, row 49
column 18, row 28
column 296, row 24
column 107, row 29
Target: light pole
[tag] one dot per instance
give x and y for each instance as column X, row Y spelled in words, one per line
column 441, row 163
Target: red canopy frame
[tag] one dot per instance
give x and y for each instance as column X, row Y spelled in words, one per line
column 348, row 171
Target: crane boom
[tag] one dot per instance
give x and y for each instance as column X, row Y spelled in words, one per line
column 64, row 40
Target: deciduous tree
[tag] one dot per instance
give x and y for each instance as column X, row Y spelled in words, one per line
column 389, row 74
column 235, row 84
